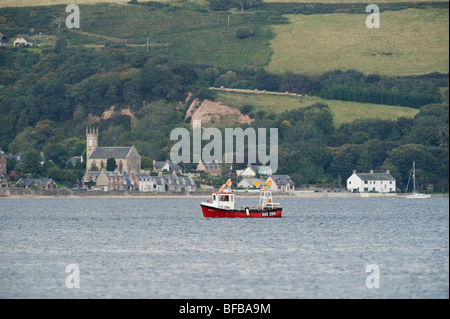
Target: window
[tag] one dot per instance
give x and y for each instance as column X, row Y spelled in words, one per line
column 214, row 198
column 365, row 182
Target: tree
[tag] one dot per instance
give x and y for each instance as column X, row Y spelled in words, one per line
column 111, row 164
column 61, row 44
column 32, row 163
column 146, row 163
column 58, row 20
column 243, row 33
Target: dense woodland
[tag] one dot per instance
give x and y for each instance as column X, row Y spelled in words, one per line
column 49, row 96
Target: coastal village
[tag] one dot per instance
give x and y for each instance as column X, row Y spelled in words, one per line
column 169, row 177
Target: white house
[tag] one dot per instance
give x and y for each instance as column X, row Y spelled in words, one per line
column 280, row 183
column 167, row 167
column 23, row 39
column 250, row 182
column 252, row 170
column 149, row 183
column 371, row 182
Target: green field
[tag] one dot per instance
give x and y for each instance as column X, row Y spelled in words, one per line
column 408, row 42
column 33, row 3
column 343, row 111
column 23, row 3
column 345, row 1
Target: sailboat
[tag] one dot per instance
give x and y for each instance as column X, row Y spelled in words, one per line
column 415, row 195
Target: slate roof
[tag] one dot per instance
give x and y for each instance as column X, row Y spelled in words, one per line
column 251, row 181
column 158, row 166
column 37, row 181
column 108, row 173
column 127, row 180
column 261, row 169
column 26, row 38
column 148, row 178
column 109, row 152
column 282, row 179
column 212, row 165
column 375, row 177
column 178, row 180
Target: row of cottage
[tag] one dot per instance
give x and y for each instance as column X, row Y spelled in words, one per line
column 143, row 182
column 105, row 180
column 128, row 174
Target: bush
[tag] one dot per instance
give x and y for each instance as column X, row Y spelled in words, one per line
column 243, row 33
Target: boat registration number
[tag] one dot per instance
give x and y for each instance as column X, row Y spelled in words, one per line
column 268, row 214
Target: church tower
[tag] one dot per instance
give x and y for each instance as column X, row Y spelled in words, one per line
column 91, row 140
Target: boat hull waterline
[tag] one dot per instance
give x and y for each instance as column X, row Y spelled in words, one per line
column 214, row 212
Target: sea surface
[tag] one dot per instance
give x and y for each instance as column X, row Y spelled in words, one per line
column 164, row 248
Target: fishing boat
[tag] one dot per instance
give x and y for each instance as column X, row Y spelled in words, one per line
column 415, row 195
column 223, row 204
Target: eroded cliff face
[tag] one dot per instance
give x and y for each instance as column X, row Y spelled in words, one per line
column 215, row 114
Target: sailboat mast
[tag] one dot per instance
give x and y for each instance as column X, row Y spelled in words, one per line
column 414, row 177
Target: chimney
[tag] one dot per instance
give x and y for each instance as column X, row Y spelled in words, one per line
column 388, row 172
column 354, row 171
column 371, row 171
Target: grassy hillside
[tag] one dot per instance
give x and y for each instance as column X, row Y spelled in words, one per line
column 33, row 3
column 342, row 1
column 188, row 31
column 343, row 111
column 408, row 42
column 23, row 3
column 413, row 41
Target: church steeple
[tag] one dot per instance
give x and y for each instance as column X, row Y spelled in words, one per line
column 91, row 140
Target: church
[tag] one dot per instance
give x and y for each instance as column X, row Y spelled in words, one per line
column 127, row 158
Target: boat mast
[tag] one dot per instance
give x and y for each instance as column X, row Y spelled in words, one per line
column 414, row 177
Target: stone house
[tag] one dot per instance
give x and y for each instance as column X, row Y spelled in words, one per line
column 40, row 183
column 213, row 168
column 23, row 39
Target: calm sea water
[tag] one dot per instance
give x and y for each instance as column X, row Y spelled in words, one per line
column 164, row 248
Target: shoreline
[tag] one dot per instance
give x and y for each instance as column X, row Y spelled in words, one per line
column 296, row 194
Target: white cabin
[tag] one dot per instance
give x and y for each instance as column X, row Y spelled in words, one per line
column 371, row 182
column 225, row 200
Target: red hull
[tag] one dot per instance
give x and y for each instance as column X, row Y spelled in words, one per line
column 240, row 213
